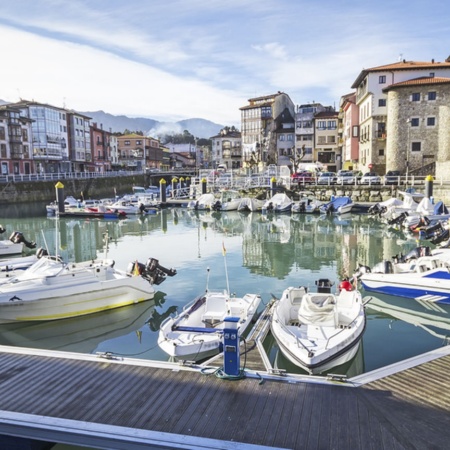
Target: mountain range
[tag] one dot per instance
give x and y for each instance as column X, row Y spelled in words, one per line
column 200, row 128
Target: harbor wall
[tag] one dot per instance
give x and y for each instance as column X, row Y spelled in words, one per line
column 45, row 191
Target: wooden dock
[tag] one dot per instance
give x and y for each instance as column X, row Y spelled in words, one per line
column 106, row 402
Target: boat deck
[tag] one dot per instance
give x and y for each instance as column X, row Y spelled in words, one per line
column 107, row 402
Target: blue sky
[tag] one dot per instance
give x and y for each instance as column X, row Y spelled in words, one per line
column 177, row 59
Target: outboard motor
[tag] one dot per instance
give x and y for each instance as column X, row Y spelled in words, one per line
column 440, row 238
column 374, row 209
column 399, row 219
column 302, row 207
column 217, row 206
column 383, row 267
column 2, row 230
column 360, row 270
column 40, row 252
column 414, row 254
column 432, row 231
column 152, row 271
column 17, row 238
column 324, row 285
column 270, row 207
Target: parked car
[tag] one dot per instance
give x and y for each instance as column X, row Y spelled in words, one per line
column 370, row 178
column 392, row 177
column 304, row 177
column 345, row 177
column 327, row 178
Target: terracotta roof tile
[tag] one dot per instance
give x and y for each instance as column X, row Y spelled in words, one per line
column 421, row 81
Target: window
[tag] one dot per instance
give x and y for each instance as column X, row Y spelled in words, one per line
column 431, row 121
column 281, row 137
column 381, row 102
column 415, row 122
column 416, row 146
column 331, row 124
column 382, row 79
column 355, row 131
column 415, row 97
column 138, row 142
column 321, row 124
column 432, row 95
column 381, row 152
column 290, row 137
column 126, row 143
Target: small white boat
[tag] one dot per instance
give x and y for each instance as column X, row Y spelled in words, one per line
column 14, row 266
column 228, row 200
column 250, row 204
column 15, row 245
column 338, row 205
column 204, row 203
column 52, row 289
column 318, row 331
column 426, row 279
column 279, row 203
column 307, row 205
column 197, row 332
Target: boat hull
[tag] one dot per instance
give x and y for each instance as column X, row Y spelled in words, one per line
column 72, row 293
column 427, row 288
column 197, row 332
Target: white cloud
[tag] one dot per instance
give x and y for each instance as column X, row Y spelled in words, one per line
column 87, row 79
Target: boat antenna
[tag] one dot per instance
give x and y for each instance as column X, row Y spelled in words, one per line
column 207, row 279
column 224, row 252
column 106, row 242
column 45, row 241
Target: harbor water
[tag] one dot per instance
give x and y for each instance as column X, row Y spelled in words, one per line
column 249, row 252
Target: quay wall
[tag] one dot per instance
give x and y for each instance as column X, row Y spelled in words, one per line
column 44, row 191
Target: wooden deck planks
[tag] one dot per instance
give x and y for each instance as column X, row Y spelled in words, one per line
column 276, row 413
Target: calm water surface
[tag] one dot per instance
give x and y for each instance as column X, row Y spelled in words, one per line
column 264, row 255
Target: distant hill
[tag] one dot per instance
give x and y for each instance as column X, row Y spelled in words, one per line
column 200, row 128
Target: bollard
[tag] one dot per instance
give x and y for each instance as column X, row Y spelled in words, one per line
column 429, row 186
column 60, row 196
column 203, row 181
column 273, row 186
column 162, row 190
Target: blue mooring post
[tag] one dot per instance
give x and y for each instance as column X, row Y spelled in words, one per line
column 429, row 187
column 231, row 360
column 60, row 196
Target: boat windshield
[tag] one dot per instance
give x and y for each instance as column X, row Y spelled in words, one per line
column 45, row 266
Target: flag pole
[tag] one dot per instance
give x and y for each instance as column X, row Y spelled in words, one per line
column 224, row 252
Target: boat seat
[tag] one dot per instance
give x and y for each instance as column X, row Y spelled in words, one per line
column 215, row 309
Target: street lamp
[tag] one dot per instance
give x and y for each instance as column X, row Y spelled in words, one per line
column 408, row 124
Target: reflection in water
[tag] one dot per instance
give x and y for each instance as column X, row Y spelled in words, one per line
column 265, row 254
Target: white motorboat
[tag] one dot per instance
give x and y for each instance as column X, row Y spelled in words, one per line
column 278, row 203
column 318, row 331
column 197, row 332
column 426, row 278
column 338, row 205
column 250, row 204
column 308, row 205
column 12, row 267
column 15, row 245
column 204, row 203
column 52, row 289
column 228, row 200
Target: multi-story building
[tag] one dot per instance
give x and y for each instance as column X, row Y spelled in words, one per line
column 101, row 148
column 326, row 148
column 371, row 98
column 348, row 129
column 49, row 136
column 418, row 121
column 227, row 148
column 137, row 152
column 15, row 142
column 304, row 130
column 80, row 151
column 260, row 120
column 285, row 134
